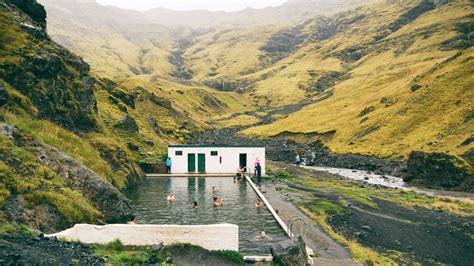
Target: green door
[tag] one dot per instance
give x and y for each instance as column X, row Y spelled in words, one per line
column 243, row 160
column 201, row 162
column 191, row 162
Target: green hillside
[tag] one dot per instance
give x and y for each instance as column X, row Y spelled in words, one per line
column 384, row 89
column 52, row 107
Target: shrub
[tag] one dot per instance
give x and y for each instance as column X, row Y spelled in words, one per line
column 324, row 207
column 6, row 228
column 231, row 255
column 26, row 231
column 115, row 245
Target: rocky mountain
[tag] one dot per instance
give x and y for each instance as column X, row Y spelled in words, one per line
column 380, row 79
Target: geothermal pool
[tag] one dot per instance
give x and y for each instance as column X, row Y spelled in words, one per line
column 152, row 207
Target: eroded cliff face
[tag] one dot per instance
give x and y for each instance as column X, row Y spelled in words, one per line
column 34, row 10
column 55, row 80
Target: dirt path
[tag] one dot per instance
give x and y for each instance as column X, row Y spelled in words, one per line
column 321, row 243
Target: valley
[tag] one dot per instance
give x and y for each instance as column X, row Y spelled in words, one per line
column 91, row 96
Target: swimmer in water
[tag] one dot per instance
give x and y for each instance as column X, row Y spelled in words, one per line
column 170, row 196
column 217, row 202
column 132, row 221
column 215, row 189
column 259, row 203
column 263, row 236
column 195, row 205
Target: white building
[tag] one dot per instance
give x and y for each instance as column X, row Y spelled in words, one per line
column 213, row 159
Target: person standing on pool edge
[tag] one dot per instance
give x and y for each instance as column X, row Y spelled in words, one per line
column 258, row 171
column 168, row 165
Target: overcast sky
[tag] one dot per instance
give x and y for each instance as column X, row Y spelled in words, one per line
column 225, row 5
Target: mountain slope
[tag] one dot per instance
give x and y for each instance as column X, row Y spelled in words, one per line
column 393, row 91
column 120, row 43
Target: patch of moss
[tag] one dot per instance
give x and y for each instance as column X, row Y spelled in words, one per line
column 280, row 174
column 118, row 254
column 326, row 207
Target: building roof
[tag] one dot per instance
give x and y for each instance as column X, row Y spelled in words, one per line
column 214, row 146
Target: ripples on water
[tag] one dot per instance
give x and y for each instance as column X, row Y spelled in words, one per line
column 152, row 207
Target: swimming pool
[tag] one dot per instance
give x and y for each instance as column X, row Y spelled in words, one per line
column 152, row 207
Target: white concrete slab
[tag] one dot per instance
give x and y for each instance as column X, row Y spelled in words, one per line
column 211, row 237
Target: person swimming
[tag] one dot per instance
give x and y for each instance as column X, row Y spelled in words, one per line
column 215, row 189
column 132, row 221
column 259, row 203
column 170, row 196
column 195, row 204
column 263, row 236
column 217, row 202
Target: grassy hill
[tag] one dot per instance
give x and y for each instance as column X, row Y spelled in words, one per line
column 390, row 91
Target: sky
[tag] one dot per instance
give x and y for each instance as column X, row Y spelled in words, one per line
column 221, row 5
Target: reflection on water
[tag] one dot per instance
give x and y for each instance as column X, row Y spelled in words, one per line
column 239, row 208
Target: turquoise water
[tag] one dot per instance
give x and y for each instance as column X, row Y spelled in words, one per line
column 152, row 207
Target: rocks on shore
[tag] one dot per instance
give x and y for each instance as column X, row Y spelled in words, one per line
column 18, row 249
column 290, row 252
column 439, row 170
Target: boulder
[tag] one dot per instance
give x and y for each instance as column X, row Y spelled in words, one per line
column 34, row 10
column 4, row 96
column 438, row 170
column 290, row 252
column 153, row 167
column 128, row 124
column 133, row 147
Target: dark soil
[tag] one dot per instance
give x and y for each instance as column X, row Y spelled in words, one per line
column 18, row 249
column 427, row 236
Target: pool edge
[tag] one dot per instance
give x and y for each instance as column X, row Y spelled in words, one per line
column 269, row 206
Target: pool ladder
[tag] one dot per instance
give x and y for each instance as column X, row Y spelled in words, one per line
column 295, row 220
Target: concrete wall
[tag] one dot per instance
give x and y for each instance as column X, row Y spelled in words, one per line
column 211, row 237
column 226, row 161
